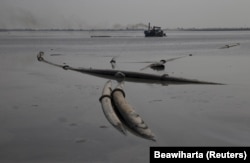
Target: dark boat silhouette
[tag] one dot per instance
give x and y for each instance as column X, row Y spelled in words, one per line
column 154, row 32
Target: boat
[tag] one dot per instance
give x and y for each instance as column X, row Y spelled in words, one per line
column 154, row 32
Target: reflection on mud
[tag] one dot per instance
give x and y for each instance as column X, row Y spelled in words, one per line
column 113, row 62
column 158, row 67
column 56, row 54
column 80, row 140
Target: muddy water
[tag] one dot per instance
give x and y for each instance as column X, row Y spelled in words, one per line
column 48, row 114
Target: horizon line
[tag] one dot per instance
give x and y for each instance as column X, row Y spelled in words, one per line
column 127, row 29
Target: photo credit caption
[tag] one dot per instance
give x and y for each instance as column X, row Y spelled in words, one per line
column 163, row 154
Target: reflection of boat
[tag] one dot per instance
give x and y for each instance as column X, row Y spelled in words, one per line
column 154, row 32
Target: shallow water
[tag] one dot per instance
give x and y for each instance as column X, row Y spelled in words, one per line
column 51, row 115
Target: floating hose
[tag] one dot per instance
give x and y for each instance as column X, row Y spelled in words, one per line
column 108, row 109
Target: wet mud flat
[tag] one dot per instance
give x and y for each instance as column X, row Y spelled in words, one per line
column 52, row 115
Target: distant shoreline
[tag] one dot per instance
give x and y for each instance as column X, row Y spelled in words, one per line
column 212, row 29
column 173, row 29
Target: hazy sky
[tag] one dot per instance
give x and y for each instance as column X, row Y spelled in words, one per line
column 121, row 13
